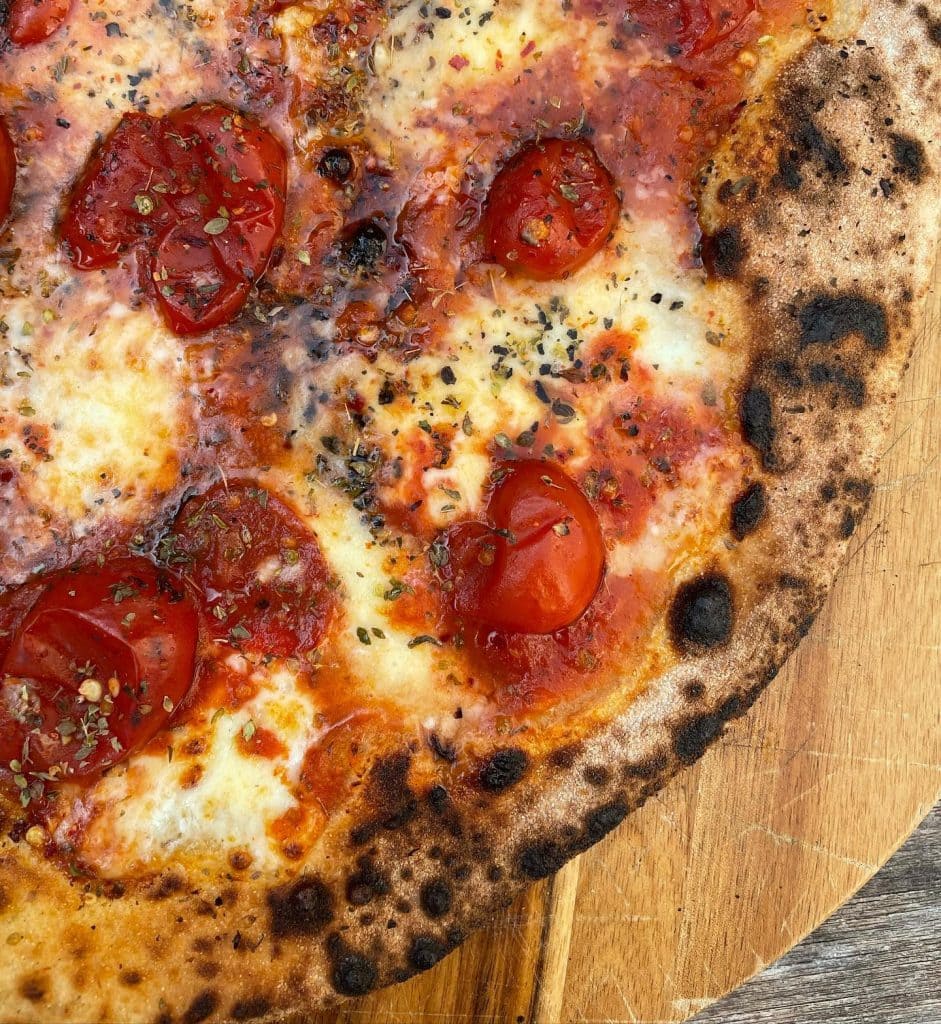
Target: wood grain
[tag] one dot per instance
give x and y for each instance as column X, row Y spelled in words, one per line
column 876, row 961
column 742, row 856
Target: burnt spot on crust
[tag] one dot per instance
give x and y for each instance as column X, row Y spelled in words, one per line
column 748, row 510
column 303, row 908
column 130, row 978
column 789, row 174
column 648, row 769
column 724, row 252
column 366, row 883
column 806, row 144
column 847, row 525
column 757, row 421
column 909, row 157
column 504, row 768
column 602, row 820
column 932, row 25
column 858, row 488
column 165, row 885
column 694, row 691
column 540, row 859
column 830, row 318
column 851, row 387
column 702, row 614
column 438, row 799
column 436, row 897
column 694, row 737
column 33, row 987
column 425, row 951
column 813, row 144
column 251, row 1008
column 389, row 793
column 564, row 757
column 203, row 1006
column 597, row 775
column 353, row 974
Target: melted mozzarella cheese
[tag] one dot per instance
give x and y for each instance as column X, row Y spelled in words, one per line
column 425, row 66
column 163, row 806
column 102, row 397
column 408, row 672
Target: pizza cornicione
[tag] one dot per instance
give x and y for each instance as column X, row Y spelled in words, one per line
column 423, row 426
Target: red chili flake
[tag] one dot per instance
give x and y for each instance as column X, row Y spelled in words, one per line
column 528, row 48
column 458, row 62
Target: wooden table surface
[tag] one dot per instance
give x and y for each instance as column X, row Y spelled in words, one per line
column 876, row 961
column 741, row 857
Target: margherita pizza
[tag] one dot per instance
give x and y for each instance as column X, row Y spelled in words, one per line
column 423, row 426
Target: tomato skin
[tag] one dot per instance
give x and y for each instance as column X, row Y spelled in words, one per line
column 199, row 193
column 32, row 21
column 7, row 171
column 550, row 209
column 127, row 621
column 262, row 576
column 537, row 563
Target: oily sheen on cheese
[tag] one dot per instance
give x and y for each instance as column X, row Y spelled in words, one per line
column 132, row 419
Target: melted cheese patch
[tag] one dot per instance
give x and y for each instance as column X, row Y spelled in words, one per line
column 164, row 806
column 425, row 65
column 104, row 396
column 408, row 674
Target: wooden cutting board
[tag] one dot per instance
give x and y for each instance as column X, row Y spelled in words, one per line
column 742, row 856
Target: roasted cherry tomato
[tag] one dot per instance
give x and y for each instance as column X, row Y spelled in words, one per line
column 550, row 209
column 263, row 578
column 32, row 21
column 537, row 562
column 7, row 171
column 199, row 193
column 95, row 667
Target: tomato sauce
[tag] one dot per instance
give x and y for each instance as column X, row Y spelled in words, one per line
column 260, row 742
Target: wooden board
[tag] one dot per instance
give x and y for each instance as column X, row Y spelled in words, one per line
column 742, row 856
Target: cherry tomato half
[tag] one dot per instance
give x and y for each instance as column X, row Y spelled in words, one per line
column 263, row 578
column 32, row 21
column 199, row 192
column 94, row 669
column 537, row 562
column 7, row 171
column 550, row 209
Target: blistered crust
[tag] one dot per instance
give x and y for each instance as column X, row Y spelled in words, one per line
column 822, row 216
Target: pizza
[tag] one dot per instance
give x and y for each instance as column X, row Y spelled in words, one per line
column 424, row 426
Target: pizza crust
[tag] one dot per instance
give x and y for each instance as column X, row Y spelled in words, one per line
column 822, row 210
